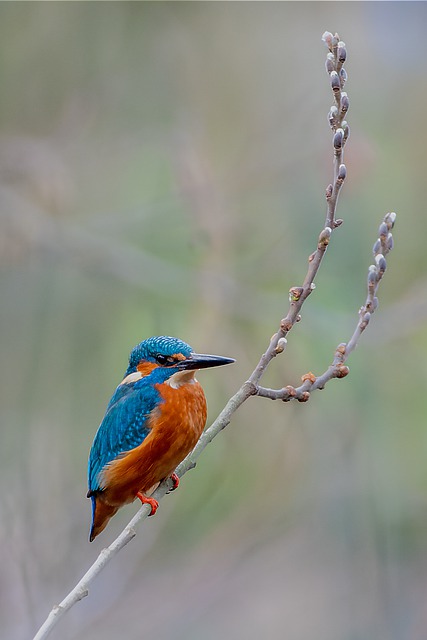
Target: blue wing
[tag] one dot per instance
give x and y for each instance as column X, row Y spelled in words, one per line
column 123, row 428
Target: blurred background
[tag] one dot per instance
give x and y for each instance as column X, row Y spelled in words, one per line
column 162, row 171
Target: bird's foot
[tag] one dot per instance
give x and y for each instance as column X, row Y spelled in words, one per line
column 151, row 501
column 175, row 481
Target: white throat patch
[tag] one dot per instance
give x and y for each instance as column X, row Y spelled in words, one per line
column 132, row 377
column 180, row 378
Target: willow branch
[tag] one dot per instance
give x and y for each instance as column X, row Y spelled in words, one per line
column 297, row 296
column 337, row 368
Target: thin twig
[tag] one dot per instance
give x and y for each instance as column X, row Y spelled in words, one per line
column 338, row 369
column 297, row 296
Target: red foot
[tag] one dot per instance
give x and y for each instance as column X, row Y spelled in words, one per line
column 151, row 501
column 175, row 481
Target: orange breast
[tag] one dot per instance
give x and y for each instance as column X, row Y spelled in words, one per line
column 176, row 425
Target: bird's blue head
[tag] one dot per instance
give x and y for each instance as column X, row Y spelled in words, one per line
column 160, row 350
column 171, row 353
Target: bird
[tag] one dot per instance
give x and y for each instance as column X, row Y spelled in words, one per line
column 153, row 420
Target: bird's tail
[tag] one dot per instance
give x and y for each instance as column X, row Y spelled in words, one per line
column 101, row 513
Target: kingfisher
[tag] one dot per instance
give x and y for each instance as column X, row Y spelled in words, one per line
column 153, row 420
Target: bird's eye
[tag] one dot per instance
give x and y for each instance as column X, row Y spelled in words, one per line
column 165, row 360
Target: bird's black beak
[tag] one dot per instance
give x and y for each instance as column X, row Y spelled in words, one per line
column 203, row 361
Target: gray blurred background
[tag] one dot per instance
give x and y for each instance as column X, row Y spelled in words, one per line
column 162, row 170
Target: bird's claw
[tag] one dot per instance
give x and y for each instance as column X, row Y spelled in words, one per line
column 175, row 482
column 151, row 501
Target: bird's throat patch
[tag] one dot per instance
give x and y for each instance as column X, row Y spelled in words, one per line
column 180, row 378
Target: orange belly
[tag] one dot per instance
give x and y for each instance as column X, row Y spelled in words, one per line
column 176, row 426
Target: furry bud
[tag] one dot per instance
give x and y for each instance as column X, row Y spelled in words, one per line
column 342, row 371
column 377, row 246
column 335, row 82
column 295, row 294
column 344, row 103
column 338, row 139
column 328, row 39
column 346, row 130
column 343, row 77
column 342, row 173
column 390, row 219
column 342, row 52
column 325, row 237
column 281, row 344
column 383, row 230
column 332, row 117
column 372, row 277
column 381, row 263
column 329, row 64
